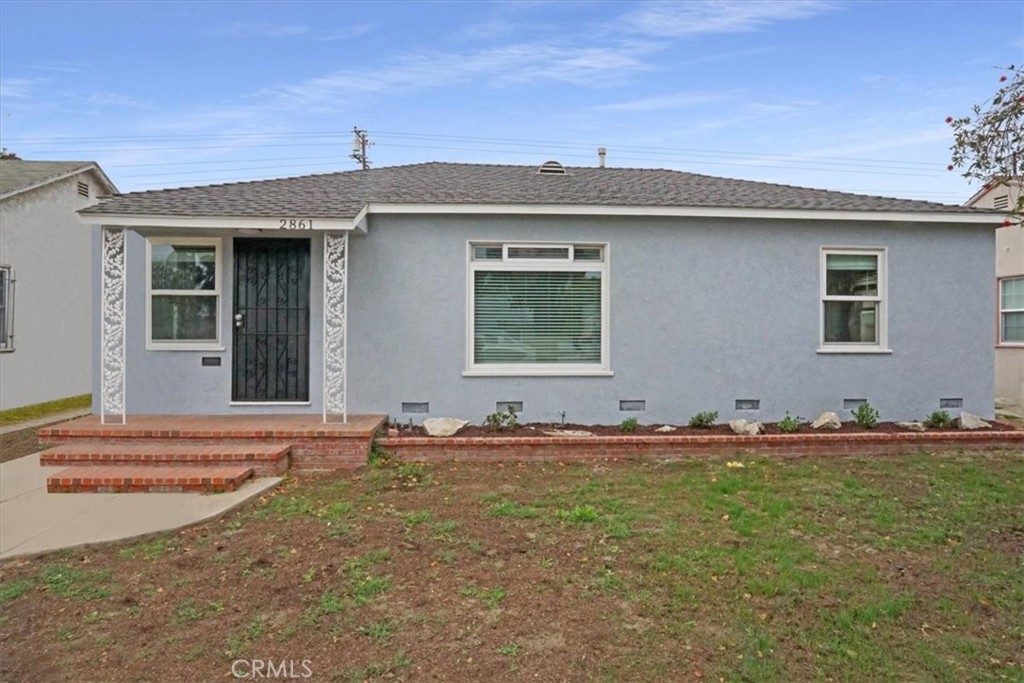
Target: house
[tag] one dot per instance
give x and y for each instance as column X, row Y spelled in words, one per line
column 45, row 273
column 1009, row 353
column 587, row 295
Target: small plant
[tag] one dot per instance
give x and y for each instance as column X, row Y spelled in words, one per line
column 629, row 425
column 581, row 514
column 866, row 416
column 704, row 419
column 510, row 650
column 790, row 424
column 939, row 419
column 380, row 632
column 378, row 456
column 499, row 420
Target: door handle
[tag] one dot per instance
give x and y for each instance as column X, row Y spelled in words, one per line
column 239, row 319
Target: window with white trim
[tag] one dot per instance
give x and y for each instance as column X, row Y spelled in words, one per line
column 538, row 308
column 1011, row 310
column 853, row 299
column 6, row 308
column 183, row 278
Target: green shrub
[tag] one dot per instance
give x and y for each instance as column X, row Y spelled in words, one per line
column 499, row 420
column 790, row 424
column 629, row 425
column 704, row 419
column 939, row 419
column 866, row 416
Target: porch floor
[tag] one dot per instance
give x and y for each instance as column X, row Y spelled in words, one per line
column 218, row 426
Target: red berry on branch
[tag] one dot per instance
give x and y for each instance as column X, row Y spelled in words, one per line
column 949, row 119
column 1007, row 223
column 1002, row 78
column 950, row 167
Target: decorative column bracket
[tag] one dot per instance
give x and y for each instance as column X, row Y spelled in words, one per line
column 335, row 326
column 112, row 326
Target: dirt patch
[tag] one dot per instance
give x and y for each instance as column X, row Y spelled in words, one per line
column 20, row 443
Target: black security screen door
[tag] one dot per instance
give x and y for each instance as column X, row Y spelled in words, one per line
column 271, row 320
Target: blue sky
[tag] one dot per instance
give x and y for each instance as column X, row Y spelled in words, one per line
column 840, row 95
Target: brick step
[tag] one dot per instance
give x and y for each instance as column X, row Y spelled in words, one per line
column 266, row 460
column 147, row 479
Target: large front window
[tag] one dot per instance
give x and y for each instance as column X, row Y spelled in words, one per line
column 1011, row 310
column 538, row 309
column 853, row 299
column 184, row 293
column 6, row 308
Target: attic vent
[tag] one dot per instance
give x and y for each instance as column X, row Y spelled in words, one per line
column 551, row 168
column 83, row 189
column 1001, row 202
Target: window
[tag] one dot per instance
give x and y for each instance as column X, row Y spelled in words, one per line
column 538, row 309
column 1011, row 310
column 183, row 303
column 6, row 308
column 853, row 300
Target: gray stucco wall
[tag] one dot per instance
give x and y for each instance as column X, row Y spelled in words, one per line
column 42, row 239
column 703, row 312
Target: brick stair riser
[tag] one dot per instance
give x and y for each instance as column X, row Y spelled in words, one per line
column 261, row 466
column 141, row 488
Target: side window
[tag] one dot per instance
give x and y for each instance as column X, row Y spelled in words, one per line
column 853, row 299
column 6, row 308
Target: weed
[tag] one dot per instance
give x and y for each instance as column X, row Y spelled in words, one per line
column 546, row 563
column 939, row 419
column 790, row 424
column 255, row 629
column 491, row 596
column 448, row 557
column 500, row 420
column 510, row 650
column 195, row 653
column 188, row 611
column 508, row 508
column 378, row 456
column 148, row 550
column 330, row 603
column 581, row 514
column 370, row 586
column 71, row 582
column 704, row 419
column 411, row 474
column 309, row 575
column 13, row 589
column 66, row 634
column 418, row 517
column 629, row 425
column 380, row 632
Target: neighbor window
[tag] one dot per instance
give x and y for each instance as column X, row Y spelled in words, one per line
column 538, row 309
column 1011, row 310
column 853, row 315
column 6, row 308
column 184, row 281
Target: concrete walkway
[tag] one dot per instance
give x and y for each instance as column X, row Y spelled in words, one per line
column 34, row 521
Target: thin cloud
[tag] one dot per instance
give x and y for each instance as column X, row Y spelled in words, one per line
column 60, row 67
column 676, row 101
column 344, row 33
column 728, row 16
column 247, row 29
column 17, row 87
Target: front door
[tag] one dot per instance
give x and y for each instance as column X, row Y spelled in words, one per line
column 271, row 321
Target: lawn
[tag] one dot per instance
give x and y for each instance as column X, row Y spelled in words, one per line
column 753, row 569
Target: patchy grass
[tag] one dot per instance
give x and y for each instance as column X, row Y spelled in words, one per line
column 37, row 411
column 880, row 568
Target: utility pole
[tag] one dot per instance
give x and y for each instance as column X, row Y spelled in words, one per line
column 359, row 144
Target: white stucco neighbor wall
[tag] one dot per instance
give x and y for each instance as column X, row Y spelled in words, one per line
column 1009, row 360
column 42, row 239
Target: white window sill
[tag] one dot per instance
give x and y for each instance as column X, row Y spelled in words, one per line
column 536, row 372
column 853, row 349
column 187, row 346
column 1010, row 345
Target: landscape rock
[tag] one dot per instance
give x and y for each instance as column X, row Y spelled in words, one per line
column 569, row 432
column 912, row 426
column 746, row 427
column 827, row 419
column 443, row 426
column 665, row 429
column 972, row 421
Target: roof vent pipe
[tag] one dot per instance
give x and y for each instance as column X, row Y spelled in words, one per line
column 601, row 151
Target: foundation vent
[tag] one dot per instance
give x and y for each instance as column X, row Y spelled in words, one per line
column 748, row 404
column 951, row 403
column 416, row 407
column 633, row 405
column 503, row 406
column 853, row 403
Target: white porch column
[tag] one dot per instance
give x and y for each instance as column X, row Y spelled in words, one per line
column 335, row 325
column 112, row 326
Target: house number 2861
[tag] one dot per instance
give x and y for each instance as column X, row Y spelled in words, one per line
column 296, row 223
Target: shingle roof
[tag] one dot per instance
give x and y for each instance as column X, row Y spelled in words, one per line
column 18, row 174
column 342, row 195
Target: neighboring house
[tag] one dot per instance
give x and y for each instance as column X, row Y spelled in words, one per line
column 589, row 294
column 45, row 272
column 1009, row 361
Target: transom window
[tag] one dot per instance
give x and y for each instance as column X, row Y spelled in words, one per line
column 853, row 295
column 537, row 309
column 1011, row 310
column 6, row 308
column 183, row 304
